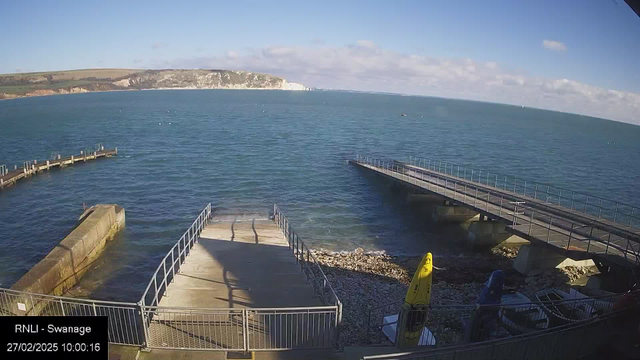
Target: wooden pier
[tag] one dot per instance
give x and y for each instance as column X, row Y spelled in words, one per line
column 10, row 177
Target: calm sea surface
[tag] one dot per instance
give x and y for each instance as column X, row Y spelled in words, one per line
column 245, row 150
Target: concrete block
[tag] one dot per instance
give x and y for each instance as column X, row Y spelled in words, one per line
column 532, row 257
column 492, row 233
column 69, row 260
column 453, row 213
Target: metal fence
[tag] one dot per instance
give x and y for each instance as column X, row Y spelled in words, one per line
column 292, row 328
column 125, row 321
column 310, row 267
column 461, row 324
column 524, row 220
column 569, row 341
column 195, row 328
column 262, row 329
column 612, row 210
column 171, row 263
column 308, row 263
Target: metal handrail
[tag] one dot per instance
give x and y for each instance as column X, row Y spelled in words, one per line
column 395, row 307
column 125, row 319
column 510, row 183
column 320, row 283
column 437, row 183
column 489, row 346
column 188, row 239
column 597, row 222
column 65, row 298
column 476, row 306
column 293, row 308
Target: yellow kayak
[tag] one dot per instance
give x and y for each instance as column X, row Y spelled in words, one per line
column 418, row 299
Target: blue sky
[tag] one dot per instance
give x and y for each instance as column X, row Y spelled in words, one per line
column 481, row 50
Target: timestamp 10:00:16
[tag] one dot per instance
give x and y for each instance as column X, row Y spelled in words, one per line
column 53, row 347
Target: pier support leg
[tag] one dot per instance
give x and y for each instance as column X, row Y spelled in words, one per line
column 533, row 257
column 453, row 214
column 488, row 234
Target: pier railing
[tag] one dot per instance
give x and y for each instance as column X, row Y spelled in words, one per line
column 309, row 265
column 611, row 210
column 171, row 263
column 524, row 220
column 125, row 321
column 256, row 329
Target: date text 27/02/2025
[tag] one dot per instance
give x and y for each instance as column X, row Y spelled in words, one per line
column 42, row 337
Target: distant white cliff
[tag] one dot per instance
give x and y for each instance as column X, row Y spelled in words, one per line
column 31, row 84
column 206, row 79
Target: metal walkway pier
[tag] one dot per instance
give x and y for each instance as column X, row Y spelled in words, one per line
column 240, row 284
column 569, row 224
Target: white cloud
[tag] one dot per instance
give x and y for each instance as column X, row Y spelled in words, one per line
column 367, row 44
column 367, row 67
column 554, row 45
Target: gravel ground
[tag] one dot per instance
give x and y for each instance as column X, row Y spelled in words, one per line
column 370, row 280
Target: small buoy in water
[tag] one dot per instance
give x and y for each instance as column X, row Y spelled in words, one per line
column 169, row 123
column 159, row 123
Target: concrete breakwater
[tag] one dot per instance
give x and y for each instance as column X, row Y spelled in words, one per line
column 10, row 177
column 69, row 260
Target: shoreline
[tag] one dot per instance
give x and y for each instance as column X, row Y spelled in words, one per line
column 127, row 90
column 364, row 280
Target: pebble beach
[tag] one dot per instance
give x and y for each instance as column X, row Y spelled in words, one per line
column 367, row 281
